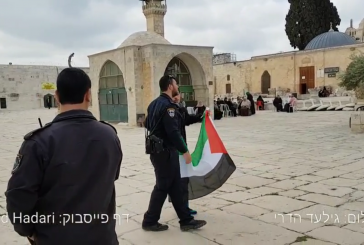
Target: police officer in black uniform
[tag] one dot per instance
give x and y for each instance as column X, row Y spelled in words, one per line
column 163, row 144
column 64, row 173
column 187, row 120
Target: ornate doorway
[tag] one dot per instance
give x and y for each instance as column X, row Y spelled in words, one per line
column 265, row 82
column 49, row 101
column 307, row 79
column 177, row 68
column 113, row 98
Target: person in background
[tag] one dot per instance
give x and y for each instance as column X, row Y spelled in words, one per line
column 187, row 120
column 183, row 102
column 239, row 100
column 249, row 96
column 235, row 106
column 199, row 108
column 231, row 107
column 292, row 103
column 217, row 113
column 262, row 101
column 323, row 92
column 288, row 107
column 278, row 103
column 244, row 107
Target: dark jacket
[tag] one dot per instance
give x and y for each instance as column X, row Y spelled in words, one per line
column 277, row 101
column 67, row 170
column 165, row 122
column 252, row 103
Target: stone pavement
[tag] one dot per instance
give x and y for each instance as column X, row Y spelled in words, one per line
column 299, row 180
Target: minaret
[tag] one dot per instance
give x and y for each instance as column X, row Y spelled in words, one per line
column 351, row 23
column 154, row 11
column 331, row 27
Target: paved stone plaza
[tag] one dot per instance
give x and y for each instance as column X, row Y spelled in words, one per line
column 299, row 180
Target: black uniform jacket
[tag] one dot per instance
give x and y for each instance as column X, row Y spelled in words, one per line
column 165, row 122
column 63, row 178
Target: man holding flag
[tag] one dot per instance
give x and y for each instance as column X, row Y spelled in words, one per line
column 163, row 143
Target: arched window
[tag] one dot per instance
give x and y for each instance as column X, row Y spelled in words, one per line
column 179, row 70
column 113, row 99
column 111, row 76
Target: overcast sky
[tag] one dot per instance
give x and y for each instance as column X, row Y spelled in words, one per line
column 45, row 32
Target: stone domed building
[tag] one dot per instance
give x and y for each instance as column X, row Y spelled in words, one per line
column 125, row 79
column 143, row 38
column 330, row 39
column 326, row 56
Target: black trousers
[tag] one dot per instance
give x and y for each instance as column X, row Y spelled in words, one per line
column 288, row 108
column 168, row 182
column 184, row 187
column 279, row 107
column 233, row 111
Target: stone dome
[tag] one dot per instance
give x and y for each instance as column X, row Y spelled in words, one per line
column 143, row 38
column 330, row 39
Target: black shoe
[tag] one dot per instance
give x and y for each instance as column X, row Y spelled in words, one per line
column 156, row 227
column 193, row 225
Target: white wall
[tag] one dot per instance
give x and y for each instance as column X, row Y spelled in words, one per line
column 26, row 81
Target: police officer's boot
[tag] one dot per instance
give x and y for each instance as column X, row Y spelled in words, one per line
column 156, row 227
column 193, row 225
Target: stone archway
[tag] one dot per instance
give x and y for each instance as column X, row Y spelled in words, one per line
column 113, row 100
column 265, row 82
column 49, row 101
column 190, row 77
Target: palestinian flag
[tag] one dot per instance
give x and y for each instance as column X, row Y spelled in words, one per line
column 211, row 164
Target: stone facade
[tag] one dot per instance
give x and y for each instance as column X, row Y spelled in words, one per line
column 223, row 58
column 142, row 68
column 143, row 58
column 21, row 85
column 284, row 69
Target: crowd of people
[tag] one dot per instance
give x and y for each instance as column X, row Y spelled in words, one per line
column 246, row 106
column 242, row 106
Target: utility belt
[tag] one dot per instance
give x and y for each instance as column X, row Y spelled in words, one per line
column 153, row 144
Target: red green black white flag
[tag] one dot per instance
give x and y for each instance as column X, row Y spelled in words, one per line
column 211, row 164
